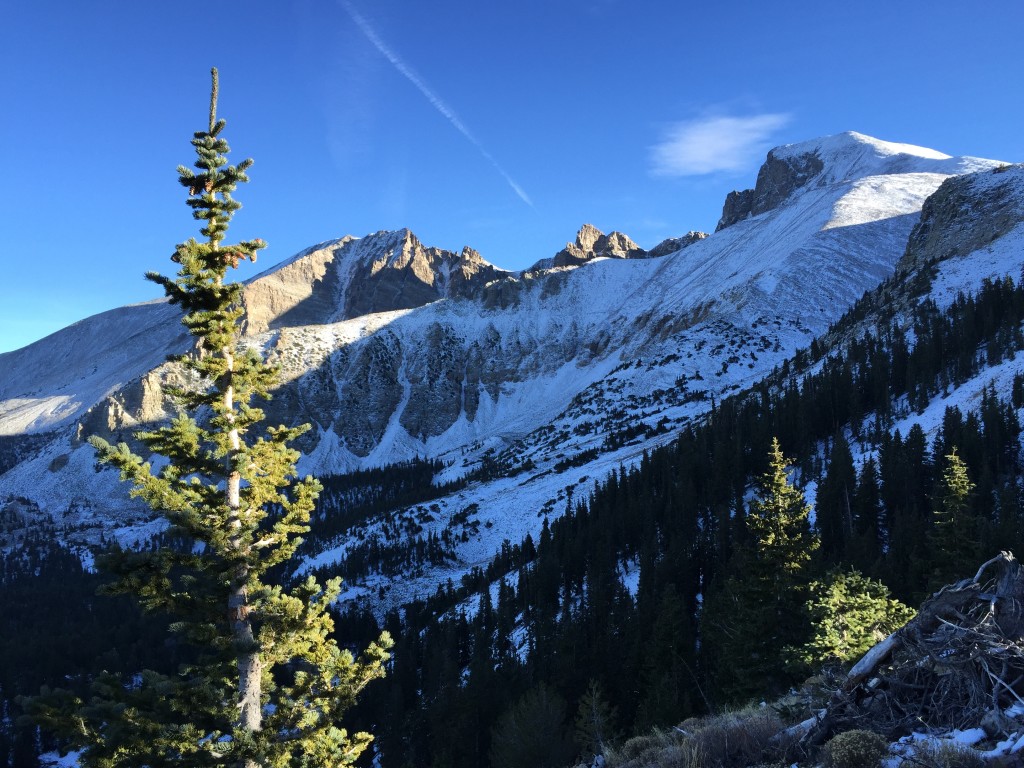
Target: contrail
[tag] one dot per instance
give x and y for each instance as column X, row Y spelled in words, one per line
column 435, row 101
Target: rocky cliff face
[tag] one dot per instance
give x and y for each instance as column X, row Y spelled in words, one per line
column 966, row 213
column 673, row 244
column 778, row 178
column 352, row 277
column 592, row 243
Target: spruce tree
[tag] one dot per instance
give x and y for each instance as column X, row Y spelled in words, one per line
column 953, row 538
column 779, row 524
column 834, row 518
column 850, row 614
column 266, row 684
column 757, row 613
column 866, row 547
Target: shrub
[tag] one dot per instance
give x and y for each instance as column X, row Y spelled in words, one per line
column 718, row 741
column 855, row 749
column 947, row 754
column 737, row 739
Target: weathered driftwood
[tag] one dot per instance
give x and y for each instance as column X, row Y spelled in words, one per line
column 959, row 660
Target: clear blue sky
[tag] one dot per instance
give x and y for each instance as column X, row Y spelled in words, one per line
column 504, row 126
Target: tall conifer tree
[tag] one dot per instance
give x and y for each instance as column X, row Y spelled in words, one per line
column 267, row 684
column 758, row 613
column 953, row 538
column 834, row 518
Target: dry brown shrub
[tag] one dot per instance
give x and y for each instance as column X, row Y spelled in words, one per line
column 717, row 741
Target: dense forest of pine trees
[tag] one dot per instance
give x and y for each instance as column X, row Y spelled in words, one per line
column 550, row 634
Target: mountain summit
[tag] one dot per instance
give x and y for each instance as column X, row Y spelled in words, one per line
column 831, row 159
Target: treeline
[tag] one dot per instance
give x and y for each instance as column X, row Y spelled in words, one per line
column 349, row 500
column 561, row 620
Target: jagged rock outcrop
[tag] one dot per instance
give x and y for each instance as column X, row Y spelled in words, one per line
column 592, row 243
column 298, row 293
column 435, row 378
column 778, row 178
column 372, row 391
column 966, row 213
column 673, row 244
column 352, row 277
column 139, row 402
column 399, row 272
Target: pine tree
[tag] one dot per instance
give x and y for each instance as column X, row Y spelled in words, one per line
column 850, row 614
column 266, row 684
column 531, row 733
column 759, row 612
column 779, row 524
column 595, row 722
column 834, row 518
column 866, row 548
column 953, row 538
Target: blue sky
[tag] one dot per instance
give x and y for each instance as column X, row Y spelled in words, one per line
column 500, row 126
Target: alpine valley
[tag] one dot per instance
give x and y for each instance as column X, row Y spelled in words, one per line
column 508, row 455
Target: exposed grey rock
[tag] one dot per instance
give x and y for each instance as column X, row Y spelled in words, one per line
column 470, row 274
column 367, row 392
column 353, row 277
column 592, row 243
column 435, row 374
column 139, row 402
column 300, row 293
column 737, row 207
column 673, row 244
column 964, row 214
column 777, row 179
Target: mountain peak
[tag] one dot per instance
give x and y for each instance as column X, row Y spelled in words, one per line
column 843, row 145
column 342, row 279
column 591, row 243
column 842, row 157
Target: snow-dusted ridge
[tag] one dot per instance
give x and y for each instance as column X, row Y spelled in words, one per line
column 395, row 350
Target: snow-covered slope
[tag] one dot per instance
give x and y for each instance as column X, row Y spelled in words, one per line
column 395, row 350
column 52, row 382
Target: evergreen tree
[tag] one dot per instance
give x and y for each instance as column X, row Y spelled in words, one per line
column 266, row 684
column 531, row 734
column 595, row 722
column 953, row 538
column 834, row 515
column 779, row 525
column 759, row 611
column 866, row 548
column 850, row 614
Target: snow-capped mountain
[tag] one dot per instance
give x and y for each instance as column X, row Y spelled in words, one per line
column 395, row 350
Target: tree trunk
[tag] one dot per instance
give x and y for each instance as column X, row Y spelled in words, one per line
column 250, row 665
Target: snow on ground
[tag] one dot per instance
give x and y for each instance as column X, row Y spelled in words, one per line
column 629, row 574
column 56, row 379
column 965, row 274
column 55, row 760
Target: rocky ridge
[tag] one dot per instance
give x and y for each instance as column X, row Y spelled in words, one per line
column 351, row 277
column 995, row 201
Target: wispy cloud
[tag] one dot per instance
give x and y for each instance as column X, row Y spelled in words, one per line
column 435, row 101
column 711, row 144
